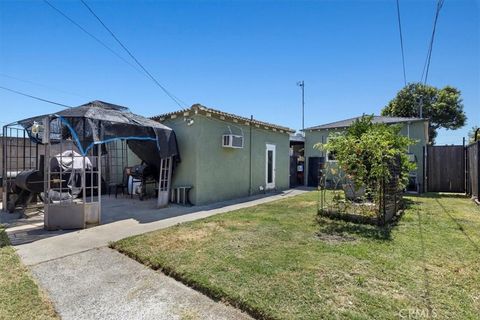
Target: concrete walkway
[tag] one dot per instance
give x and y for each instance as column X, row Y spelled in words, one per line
column 87, row 280
column 104, row 284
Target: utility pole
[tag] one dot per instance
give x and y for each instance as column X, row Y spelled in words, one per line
column 302, row 85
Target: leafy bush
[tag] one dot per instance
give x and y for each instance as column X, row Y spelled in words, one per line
column 366, row 152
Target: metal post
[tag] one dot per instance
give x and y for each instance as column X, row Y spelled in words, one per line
column 4, row 168
column 465, row 164
column 99, row 186
column 302, row 85
column 478, row 169
column 36, row 157
column 303, row 105
column 47, row 170
column 424, row 178
column 17, row 149
column 24, row 150
column 84, row 190
column 250, row 191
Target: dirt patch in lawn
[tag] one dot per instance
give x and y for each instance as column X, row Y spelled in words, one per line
column 335, row 238
column 199, row 233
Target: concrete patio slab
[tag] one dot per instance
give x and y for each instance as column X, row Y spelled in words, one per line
column 121, row 218
column 104, row 284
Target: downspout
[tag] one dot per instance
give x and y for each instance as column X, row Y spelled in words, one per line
column 250, row 191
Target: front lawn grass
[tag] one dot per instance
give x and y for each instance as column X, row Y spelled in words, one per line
column 20, row 297
column 278, row 261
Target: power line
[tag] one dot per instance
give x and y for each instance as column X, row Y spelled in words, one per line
column 426, row 66
column 108, row 48
column 171, row 96
column 91, row 35
column 401, row 43
column 34, row 97
column 41, row 85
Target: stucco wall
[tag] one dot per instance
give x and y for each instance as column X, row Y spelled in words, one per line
column 218, row 173
column 185, row 172
column 418, row 131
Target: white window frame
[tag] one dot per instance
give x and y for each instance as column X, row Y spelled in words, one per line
column 230, row 139
column 328, row 160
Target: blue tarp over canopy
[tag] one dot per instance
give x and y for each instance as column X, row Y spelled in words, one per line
column 100, row 122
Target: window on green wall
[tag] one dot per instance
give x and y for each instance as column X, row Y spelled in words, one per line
column 331, row 156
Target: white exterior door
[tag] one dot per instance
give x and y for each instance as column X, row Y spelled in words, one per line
column 270, row 166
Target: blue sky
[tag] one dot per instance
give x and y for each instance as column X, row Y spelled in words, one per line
column 243, row 57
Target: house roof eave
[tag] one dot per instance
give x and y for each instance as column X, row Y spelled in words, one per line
column 200, row 109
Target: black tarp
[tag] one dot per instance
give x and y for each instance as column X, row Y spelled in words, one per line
column 99, row 122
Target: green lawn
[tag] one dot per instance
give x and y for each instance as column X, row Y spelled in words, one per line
column 277, row 261
column 20, row 297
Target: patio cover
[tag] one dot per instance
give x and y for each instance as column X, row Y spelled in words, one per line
column 99, row 122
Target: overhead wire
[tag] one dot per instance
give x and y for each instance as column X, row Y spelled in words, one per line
column 91, row 35
column 42, row 85
column 170, row 95
column 401, row 43
column 426, row 66
column 35, row 97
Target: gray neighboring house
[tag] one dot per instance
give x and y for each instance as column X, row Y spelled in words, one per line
column 225, row 156
column 414, row 128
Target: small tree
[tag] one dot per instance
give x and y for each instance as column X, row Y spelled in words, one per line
column 471, row 134
column 366, row 152
column 443, row 107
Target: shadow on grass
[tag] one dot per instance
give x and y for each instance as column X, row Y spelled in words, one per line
column 437, row 195
column 340, row 228
column 459, row 226
column 426, row 279
column 408, row 203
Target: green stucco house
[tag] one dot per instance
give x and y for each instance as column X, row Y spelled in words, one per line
column 225, row 156
column 414, row 128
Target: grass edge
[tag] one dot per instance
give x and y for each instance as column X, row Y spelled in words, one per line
column 216, row 295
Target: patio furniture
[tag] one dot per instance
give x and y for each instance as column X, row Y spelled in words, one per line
column 180, row 195
column 142, row 176
column 142, row 192
column 124, row 184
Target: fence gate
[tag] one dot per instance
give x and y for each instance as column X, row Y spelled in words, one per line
column 446, row 169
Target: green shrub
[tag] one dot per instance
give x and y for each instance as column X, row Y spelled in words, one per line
column 366, row 152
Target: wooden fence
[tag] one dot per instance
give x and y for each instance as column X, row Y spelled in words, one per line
column 454, row 169
column 446, row 169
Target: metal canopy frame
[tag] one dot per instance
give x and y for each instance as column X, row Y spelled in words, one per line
column 71, row 197
column 19, row 153
column 73, row 186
